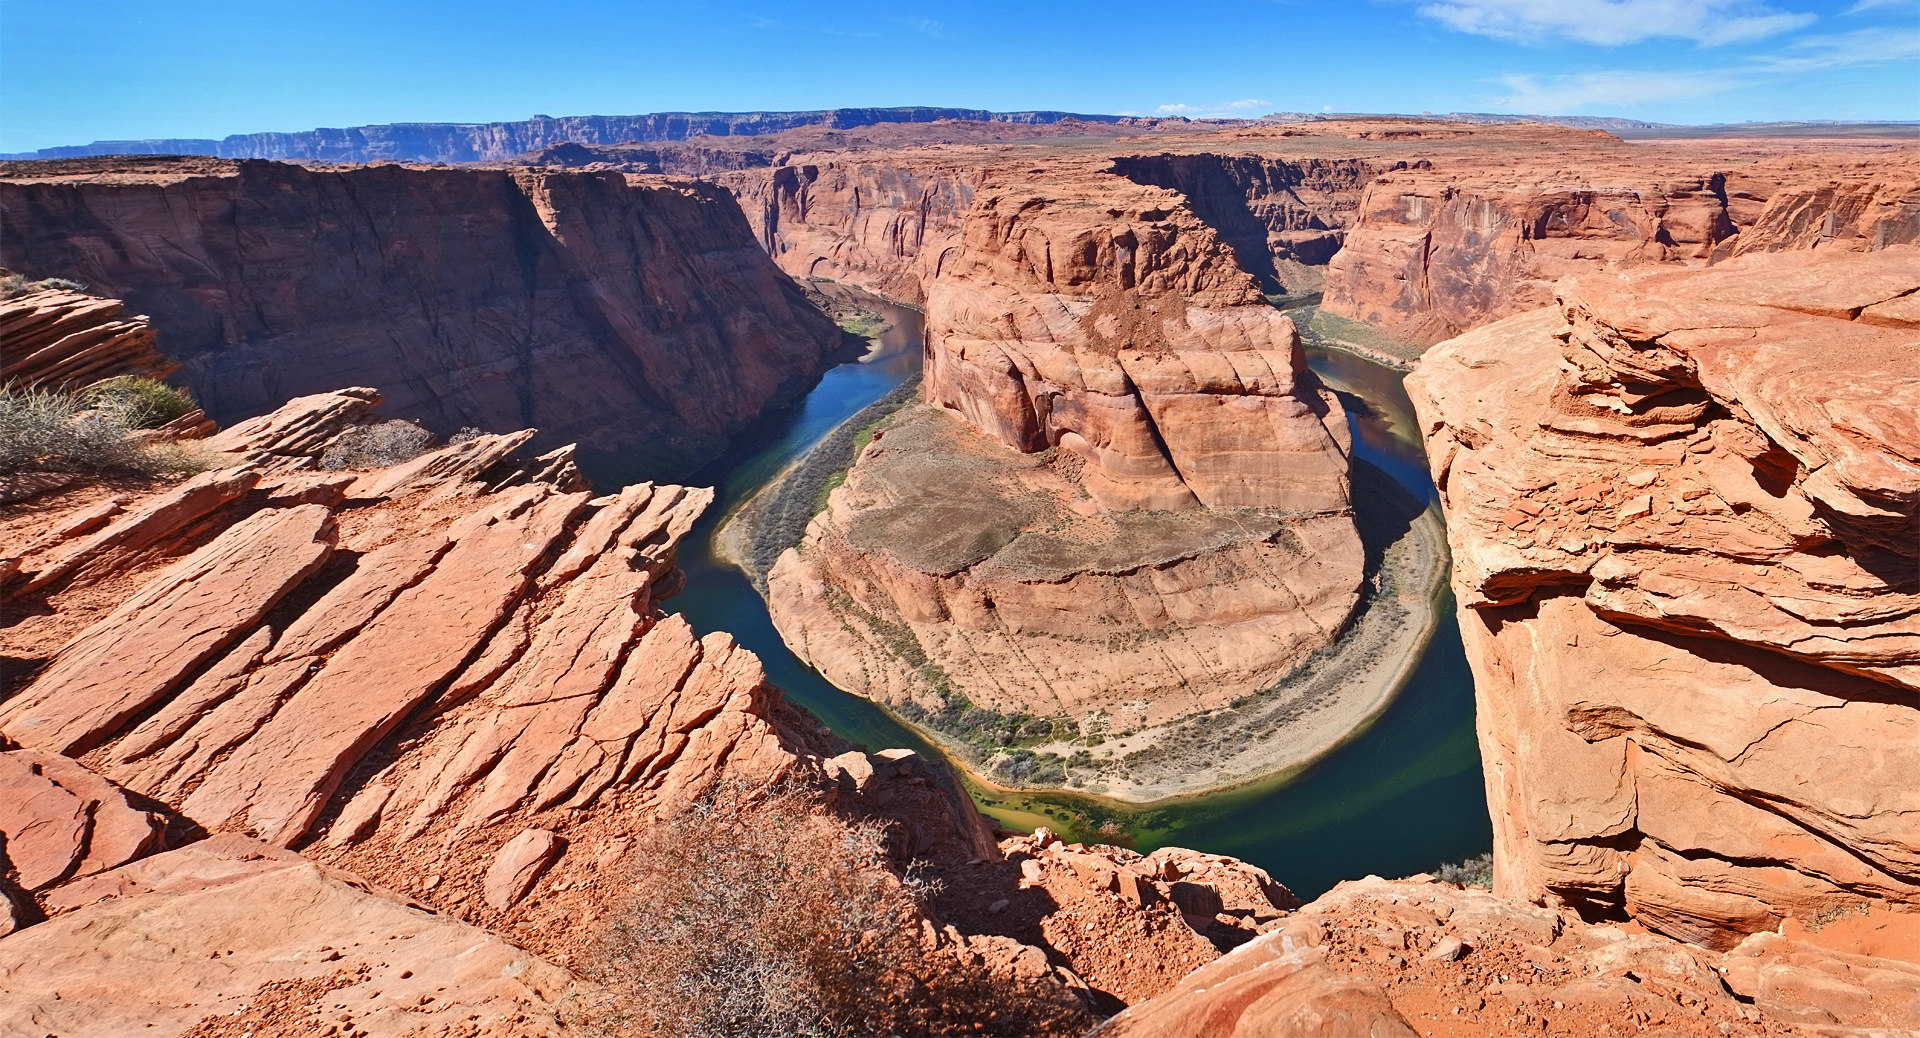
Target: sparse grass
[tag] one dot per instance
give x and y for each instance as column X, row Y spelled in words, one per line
column 377, row 446
column 142, row 403
column 50, row 431
column 754, row 913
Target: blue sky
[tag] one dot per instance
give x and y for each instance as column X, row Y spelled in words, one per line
column 117, row 69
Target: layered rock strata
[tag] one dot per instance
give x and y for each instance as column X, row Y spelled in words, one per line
column 63, row 339
column 1687, row 555
column 471, row 142
column 636, row 315
column 1128, row 496
column 1429, row 256
column 1421, row 230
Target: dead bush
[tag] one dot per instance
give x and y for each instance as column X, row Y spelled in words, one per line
column 376, row 446
column 755, row 913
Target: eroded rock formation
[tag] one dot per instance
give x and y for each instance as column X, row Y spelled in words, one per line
column 1687, row 552
column 635, row 316
column 406, row 711
column 1420, row 957
column 1129, row 495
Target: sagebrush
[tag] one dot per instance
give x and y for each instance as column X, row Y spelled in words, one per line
column 12, row 284
column 754, row 913
column 376, row 446
column 1476, row 871
column 50, row 431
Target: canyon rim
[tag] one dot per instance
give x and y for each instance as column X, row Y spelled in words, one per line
column 584, row 558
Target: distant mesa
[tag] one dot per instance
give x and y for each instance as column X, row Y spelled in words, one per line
column 494, row 142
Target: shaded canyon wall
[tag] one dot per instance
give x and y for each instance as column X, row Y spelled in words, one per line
column 631, row 315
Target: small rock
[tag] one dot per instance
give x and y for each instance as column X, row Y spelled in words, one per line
column 1450, row 949
column 998, row 906
column 518, row 866
column 1636, row 507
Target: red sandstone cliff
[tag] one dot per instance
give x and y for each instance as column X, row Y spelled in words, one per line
column 634, row 316
column 1687, row 553
column 1431, row 254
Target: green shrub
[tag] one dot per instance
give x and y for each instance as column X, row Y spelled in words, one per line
column 376, row 446
column 141, row 403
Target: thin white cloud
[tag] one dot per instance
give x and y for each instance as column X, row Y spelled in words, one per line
column 1616, row 22
column 1860, row 47
column 1568, row 94
column 1877, row 5
column 1241, row 109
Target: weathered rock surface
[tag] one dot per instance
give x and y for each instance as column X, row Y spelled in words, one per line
column 1417, row 956
column 178, row 939
column 637, row 316
column 1003, row 574
column 1423, row 230
column 58, row 338
column 1107, row 319
column 1685, row 515
column 60, row 821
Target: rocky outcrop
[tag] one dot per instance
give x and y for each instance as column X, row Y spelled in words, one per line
column 1129, row 496
column 1283, row 218
column 1110, row 321
column 1417, row 956
column 1687, row 554
column 634, row 315
column 62, row 339
column 449, row 677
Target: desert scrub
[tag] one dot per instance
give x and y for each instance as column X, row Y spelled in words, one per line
column 756, row 913
column 376, row 446
column 49, row 431
column 1476, row 871
column 142, row 403
column 12, row 285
